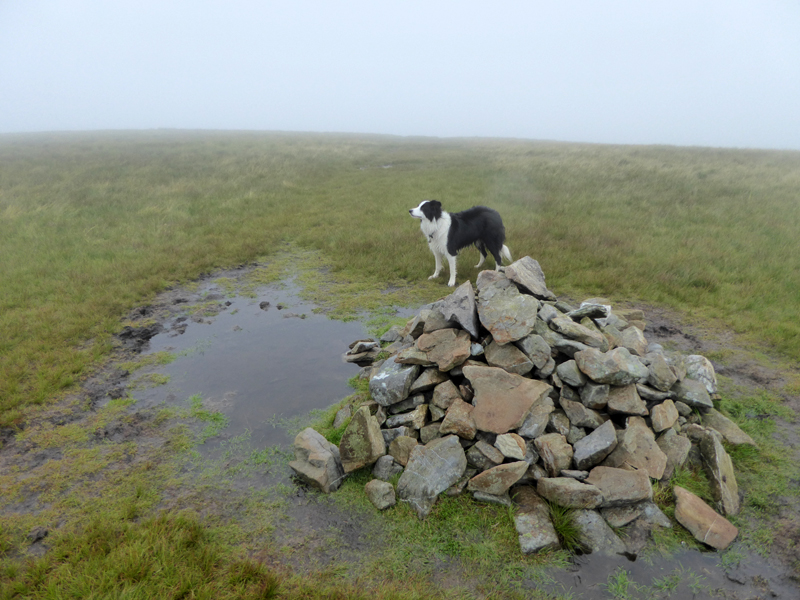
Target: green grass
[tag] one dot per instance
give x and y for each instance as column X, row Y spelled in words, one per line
column 92, row 225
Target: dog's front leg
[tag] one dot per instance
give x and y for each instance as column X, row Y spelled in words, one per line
column 452, row 262
column 438, row 259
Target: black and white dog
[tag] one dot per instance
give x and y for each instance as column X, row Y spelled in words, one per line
column 448, row 233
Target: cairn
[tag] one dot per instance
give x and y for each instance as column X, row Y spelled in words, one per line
column 520, row 399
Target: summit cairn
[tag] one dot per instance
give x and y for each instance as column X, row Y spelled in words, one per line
column 505, row 393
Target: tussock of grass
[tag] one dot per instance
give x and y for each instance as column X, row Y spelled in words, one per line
column 170, row 556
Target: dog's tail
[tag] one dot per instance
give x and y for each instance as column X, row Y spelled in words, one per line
column 506, row 253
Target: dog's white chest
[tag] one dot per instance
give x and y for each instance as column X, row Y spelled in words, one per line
column 435, row 232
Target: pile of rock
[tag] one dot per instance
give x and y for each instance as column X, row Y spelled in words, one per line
column 518, row 398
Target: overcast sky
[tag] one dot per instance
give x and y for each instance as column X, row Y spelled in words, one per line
column 685, row 72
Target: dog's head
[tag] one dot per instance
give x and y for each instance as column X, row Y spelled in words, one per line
column 427, row 209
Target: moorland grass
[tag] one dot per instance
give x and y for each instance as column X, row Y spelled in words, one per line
column 92, row 225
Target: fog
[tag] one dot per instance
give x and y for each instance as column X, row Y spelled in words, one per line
column 713, row 73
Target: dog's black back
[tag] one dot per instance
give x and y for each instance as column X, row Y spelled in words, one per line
column 478, row 225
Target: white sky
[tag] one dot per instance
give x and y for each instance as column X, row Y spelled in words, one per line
column 686, row 72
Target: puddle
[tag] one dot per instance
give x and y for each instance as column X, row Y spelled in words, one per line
column 258, row 366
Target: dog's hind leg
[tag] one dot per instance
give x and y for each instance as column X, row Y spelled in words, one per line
column 503, row 252
column 482, row 249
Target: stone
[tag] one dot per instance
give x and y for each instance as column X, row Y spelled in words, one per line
column 392, row 382
column 569, row 347
column 390, row 434
column 577, row 332
column 445, row 347
column 721, row 476
column 595, row 395
column 502, row 500
column 444, row 394
column 536, row 349
column 503, row 400
column 459, row 420
column 637, row 449
column 590, row 309
column 392, row 335
column 615, row 367
column 459, row 486
column 653, row 395
column 575, row 434
column 362, row 442
column 633, row 339
column 431, row 469
column 342, row 415
column 559, row 423
column 580, row 416
column 428, row 380
column 508, row 357
column 499, row 479
column 699, row 368
column 484, row 456
column 620, row 487
column 625, row 400
column 676, row 448
column 595, row 535
column 660, row 374
column 413, row 356
column 652, row 514
column 729, row 430
column 663, row 416
column 508, row 315
column 436, row 414
column 569, row 492
column 400, row 449
column 548, row 312
column 575, row 474
column 511, row 446
column 693, row 393
column 460, row 306
column 431, row 430
column 415, row 326
column 619, row 516
column 532, row 521
column 436, row 321
column 702, row 521
column 414, row 419
column 595, row 447
column 380, row 493
column 385, row 468
column 555, row 452
column 409, row 403
column 317, row 461
column 569, row 373
column 528, row 274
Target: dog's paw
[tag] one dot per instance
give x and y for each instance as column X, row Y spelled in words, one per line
column 451, row 284
column 434, row 276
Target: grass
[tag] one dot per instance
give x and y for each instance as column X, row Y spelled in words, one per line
column 95, row 224
column 92, row 226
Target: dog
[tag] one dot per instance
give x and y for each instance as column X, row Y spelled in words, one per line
column 447, row 233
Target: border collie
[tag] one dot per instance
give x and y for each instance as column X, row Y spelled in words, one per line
column 447, row 233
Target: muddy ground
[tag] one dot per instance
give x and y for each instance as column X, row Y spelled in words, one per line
column 176, row 310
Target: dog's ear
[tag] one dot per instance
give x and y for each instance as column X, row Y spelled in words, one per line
column 432, row 209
